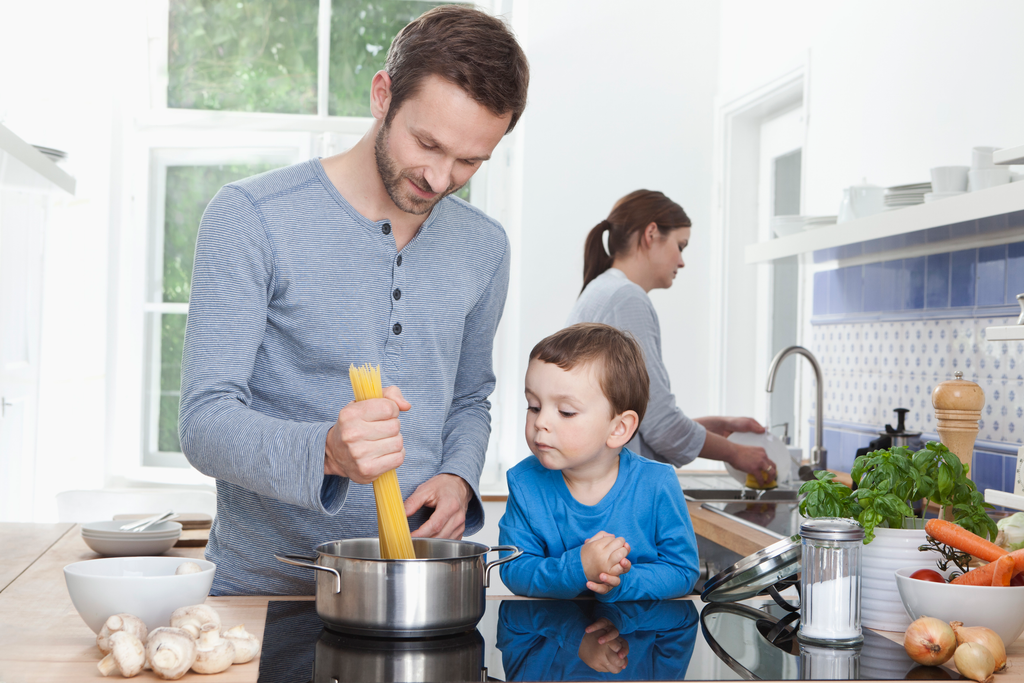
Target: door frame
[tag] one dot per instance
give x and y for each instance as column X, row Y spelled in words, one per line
column 738, row 364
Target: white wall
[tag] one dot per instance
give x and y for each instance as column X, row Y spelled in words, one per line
column 61, row 70
column 895, row 87
column 621, row 98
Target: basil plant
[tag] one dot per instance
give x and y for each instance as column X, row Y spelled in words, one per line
column 887, row 481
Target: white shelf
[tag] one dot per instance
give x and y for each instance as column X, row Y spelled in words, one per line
column 1009, row 155
column 993, row 201
column 1006, row 333
column 35, row 160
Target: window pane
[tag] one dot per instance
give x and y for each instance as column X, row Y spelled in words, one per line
column 361, row 33
column 243, row 55
column 787, row 184
column 172, row 338
column 189, row 190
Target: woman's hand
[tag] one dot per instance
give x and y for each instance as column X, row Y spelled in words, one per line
column 724, row 426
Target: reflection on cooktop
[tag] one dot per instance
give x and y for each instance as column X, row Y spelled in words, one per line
column 548, row 640
column 561, row 640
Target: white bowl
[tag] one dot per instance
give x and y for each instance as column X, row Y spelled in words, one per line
column 144, row 586
column 998, row 608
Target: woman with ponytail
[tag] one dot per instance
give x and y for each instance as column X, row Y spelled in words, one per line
column 645, row 234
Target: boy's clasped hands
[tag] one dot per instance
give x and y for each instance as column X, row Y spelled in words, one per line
column 604, row 561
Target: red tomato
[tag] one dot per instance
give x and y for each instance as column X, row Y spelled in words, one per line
column 928, row 575
column 1017, row 580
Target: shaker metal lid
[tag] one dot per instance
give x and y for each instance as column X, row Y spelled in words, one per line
column 755, row 573
column 832, row 529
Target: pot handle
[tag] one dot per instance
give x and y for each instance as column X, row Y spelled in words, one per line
column 310, row 564
column 516, row 552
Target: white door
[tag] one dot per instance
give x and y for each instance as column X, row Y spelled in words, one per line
column 22, row 222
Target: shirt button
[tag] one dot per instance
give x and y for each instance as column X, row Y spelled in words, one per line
column 386, row 228
column 397, row 328
column 399, row 261
column 397, row 294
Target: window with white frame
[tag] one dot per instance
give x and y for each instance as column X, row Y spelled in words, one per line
column 237, row 87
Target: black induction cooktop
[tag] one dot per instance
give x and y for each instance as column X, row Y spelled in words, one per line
column 547, row 640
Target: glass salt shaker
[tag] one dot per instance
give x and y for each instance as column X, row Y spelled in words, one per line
column 830, row 577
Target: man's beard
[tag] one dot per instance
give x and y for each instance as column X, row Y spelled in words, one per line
column 392, row 179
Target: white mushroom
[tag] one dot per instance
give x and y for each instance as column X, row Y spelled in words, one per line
column 127, row 655
column 194, row 617
column 120, row 622
column 213, row 653
column 170, row 652
column 247, row 646
column 187, row 568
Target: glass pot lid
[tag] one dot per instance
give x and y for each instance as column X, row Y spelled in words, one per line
column 755, row 573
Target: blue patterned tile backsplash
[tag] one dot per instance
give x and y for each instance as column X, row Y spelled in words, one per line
column 871, row 368
column 886, row 333
column 937, row 285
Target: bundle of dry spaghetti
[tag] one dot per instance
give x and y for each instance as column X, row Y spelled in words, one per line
column 395, row 540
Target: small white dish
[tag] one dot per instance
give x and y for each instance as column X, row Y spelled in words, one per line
column 106, row 538
column 773, row 447
column 111, row 547
column 111, row 529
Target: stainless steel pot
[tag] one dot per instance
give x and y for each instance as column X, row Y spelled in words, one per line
column 452, row 659
column 441, row 592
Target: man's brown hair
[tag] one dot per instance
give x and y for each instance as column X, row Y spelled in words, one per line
column 621, row 370
column 464, row 46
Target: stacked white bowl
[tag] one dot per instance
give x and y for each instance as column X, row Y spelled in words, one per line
column 106, row 538
column 984, row 173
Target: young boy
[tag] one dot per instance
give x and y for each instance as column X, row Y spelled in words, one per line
column 591, row 516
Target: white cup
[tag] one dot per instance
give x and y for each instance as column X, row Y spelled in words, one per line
column 981, row 157
column 982, row 178
column 949, row 178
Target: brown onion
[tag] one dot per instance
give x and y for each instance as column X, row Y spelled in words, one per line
column 974, row 661
column 983, row 636
column 929, row 641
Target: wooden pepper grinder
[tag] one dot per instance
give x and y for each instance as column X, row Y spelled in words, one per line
column 958, row 403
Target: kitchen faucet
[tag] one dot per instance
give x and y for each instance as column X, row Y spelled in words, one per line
column 819, row 455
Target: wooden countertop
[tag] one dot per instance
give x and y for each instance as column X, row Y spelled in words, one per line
column 42, row 638
column 739, row 538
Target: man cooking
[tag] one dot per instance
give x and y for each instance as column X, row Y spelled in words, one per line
column 357, row 258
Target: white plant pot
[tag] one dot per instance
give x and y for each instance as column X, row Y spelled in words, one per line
column 880, row 604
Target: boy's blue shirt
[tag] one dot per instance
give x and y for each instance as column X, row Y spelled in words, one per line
column 645, row 506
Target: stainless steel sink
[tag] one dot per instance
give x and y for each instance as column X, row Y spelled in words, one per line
column 733, row 495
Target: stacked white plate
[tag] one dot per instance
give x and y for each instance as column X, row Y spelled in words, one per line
column 790, row 225
column 106, row 538
column 901, row 196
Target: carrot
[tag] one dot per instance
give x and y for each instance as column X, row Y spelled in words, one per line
column 1003, row 572
column 962, row 539
column 982, row 576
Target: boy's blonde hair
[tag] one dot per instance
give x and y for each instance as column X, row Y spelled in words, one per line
column 622, row 373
